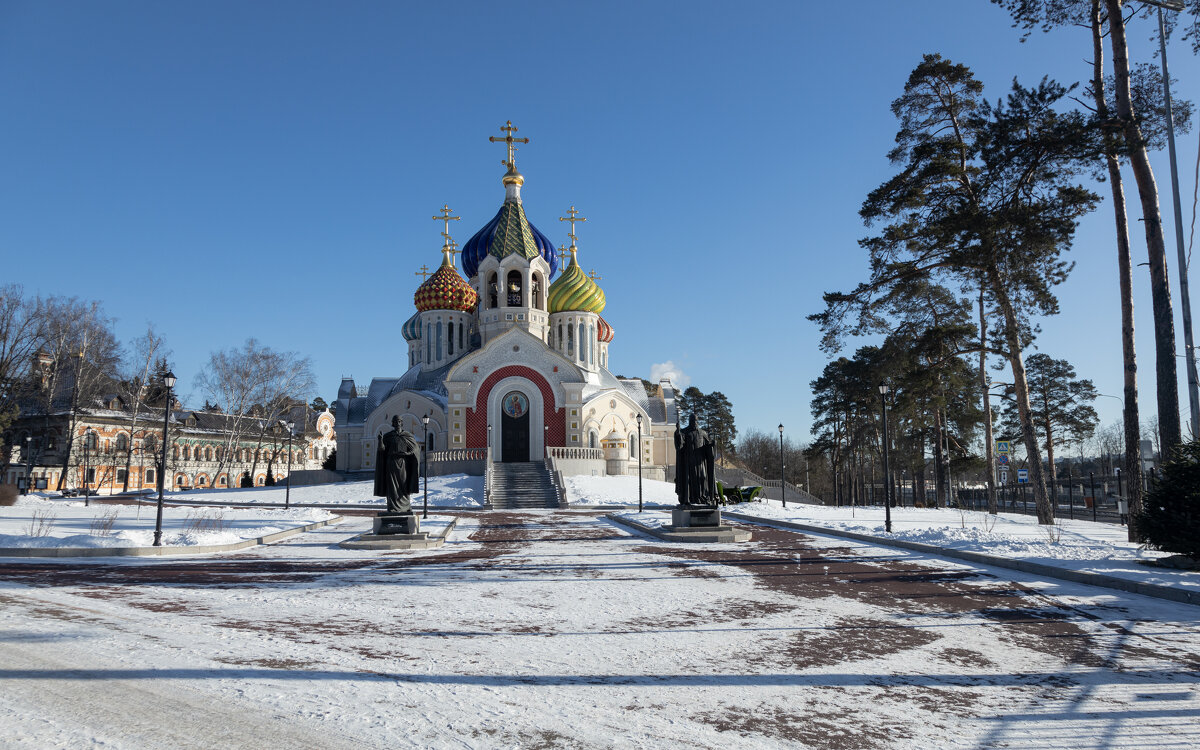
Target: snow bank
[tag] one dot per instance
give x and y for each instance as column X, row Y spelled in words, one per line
column 585, row 490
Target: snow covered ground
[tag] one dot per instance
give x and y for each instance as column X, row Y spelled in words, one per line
column 450, row 491
column 41, row 522
column 559, row 629
column 1075, row 544
column 585, row 490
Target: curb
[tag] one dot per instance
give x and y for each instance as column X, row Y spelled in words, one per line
column 1075, row 576
column 161, row 551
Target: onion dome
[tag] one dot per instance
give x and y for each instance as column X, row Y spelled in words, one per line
column 412, row 328
column 445, row 289
column 575, row 291
column 604, row 331
column 508, row 233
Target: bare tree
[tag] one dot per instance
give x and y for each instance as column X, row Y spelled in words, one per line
column 256, row 385
column 20, row 336
column 147, row 350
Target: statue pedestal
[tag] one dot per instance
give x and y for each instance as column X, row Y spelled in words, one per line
column 695, row 516
column 387, row 524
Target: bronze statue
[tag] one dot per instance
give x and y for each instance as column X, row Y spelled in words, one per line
column 396, row 469
column 695, row 465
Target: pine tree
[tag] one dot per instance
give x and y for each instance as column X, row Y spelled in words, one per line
column 1170, row 518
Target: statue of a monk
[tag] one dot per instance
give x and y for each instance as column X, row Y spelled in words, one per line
column 695, row 465
column 397, row 472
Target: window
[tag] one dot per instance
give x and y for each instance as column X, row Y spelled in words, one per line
column 91, row 476
column 187, row 453
column 122, row 442
column 149, row 476
column 570, row 340
column 208, row 454
column 428, row 343
column 91, row 441
column 461, row 326
column 149, row 444
column 121, row 475
column 537, row 291
column 582, row 340
column 493, row 291
column 632, row 445
column 513, row 288
column 175, row 452
column 439, row 341
column 591, row 440
column 222, row 481
column 450, row 339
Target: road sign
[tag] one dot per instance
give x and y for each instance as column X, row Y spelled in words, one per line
column 1004, row 476
column 1022, row 476
column 1002, row 459
column 1004, row 447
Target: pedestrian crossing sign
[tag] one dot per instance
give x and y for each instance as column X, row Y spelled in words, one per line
column 1004, row 447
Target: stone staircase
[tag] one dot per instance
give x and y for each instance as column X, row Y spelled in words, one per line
column 522, row 485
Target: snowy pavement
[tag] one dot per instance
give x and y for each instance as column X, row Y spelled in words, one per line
column 560, row 629
column 450, row 491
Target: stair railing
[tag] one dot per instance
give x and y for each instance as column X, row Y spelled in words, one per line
column 487, row 478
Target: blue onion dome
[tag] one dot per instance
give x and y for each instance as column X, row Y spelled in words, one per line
column 508, row 233
column 412, row 328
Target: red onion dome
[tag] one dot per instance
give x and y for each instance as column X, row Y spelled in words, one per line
column 445, row 290
column 604, row 332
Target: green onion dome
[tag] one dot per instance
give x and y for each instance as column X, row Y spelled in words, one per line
column 412, row 328
column 574, row 291
column 445, row 289
column 604, row 331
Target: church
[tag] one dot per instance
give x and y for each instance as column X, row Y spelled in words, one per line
column 511, row 355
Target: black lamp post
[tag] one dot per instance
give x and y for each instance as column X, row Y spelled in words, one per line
column 28, row 462
column 639, row 460
column 169, row 382
column 425, row 470
column 887, row 497
column 87, row 464
column 287, row 493
column 782, row 481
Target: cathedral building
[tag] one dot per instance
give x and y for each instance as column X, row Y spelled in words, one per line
column 511, row 354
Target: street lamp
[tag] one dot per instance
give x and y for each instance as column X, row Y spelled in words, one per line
column 425, row 471
column 87, row 463
column 782, row 481
column 169, row 381
column 287, row 494
column 28, row 462
column 639, row 460
column 887, row 497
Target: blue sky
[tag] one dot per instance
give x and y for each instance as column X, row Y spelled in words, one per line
column 227, row 170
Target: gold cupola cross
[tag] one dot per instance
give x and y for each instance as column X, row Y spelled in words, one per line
column 423, row 272
column 508, row 139
column 572, row 216
column 447, row 218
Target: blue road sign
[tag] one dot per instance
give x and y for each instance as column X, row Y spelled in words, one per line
column 1022, row 476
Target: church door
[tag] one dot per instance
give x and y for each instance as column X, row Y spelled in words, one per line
column 514, row 427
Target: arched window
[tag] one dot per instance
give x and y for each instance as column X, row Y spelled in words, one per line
column 149, row 477
column 582, row 344
column 208, row 454
column 149, row 444
column 175, row 452
column 439, row 341
column 493, row 291
column 122, row 442
column 187, row 453
column 512, row 286
column 591, row 339
column 537, row 291
column 222, row 481
column 429, row 442
column 570, row 340
column 461, row 326
column 91, row 441
column 591, row 439
column 428, row 343
column 633, row 445
column 450, row 339
column 561, row 343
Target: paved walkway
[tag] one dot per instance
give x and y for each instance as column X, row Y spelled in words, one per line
column 559, row 629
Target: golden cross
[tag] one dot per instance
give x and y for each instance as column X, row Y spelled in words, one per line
column 452, row 248
column 572, row 216
column 424, row 273
column 592, row 275
column 446, row 217
column 561, row 253
column 509, row 129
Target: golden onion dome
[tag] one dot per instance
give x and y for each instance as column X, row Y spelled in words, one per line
column 575, row 291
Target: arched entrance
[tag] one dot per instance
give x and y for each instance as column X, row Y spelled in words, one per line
column 514, row 427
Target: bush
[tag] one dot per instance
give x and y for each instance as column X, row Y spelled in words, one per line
column 1170, row 515
column 330, row 462
column 270, row 481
